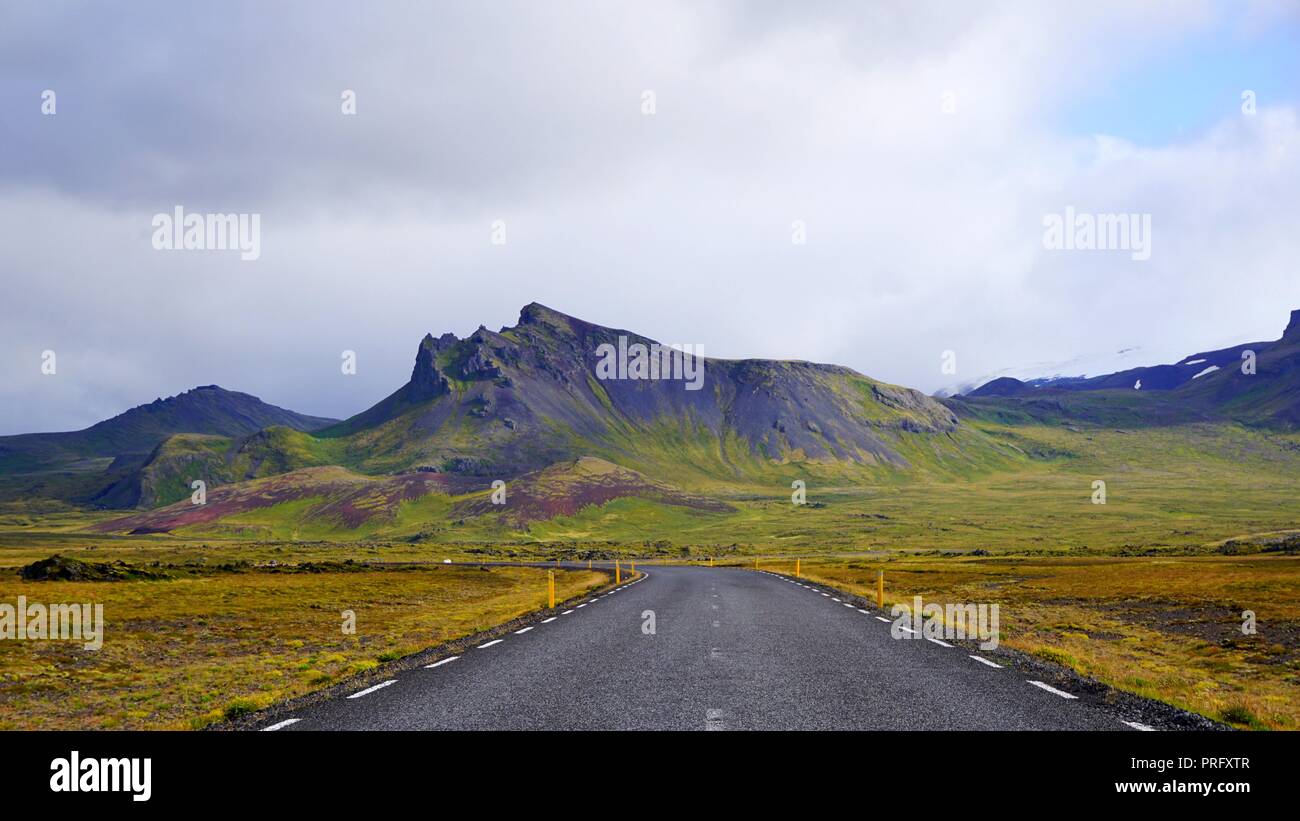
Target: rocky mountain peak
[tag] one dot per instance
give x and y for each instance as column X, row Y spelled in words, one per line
column 1292, row 332
column 535, row 313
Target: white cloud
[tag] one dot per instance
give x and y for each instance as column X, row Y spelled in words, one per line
column 924, row 227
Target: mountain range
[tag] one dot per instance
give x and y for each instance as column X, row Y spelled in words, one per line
column 530, row 406
column 1255, row 384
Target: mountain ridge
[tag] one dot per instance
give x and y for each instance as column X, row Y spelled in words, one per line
column 203, row 409
column 538, row 397
column 517, row 399
column 1153, row 377
column 1211, row 386
column 90, row 466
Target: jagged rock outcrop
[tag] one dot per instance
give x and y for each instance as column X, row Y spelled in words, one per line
column 529, row 395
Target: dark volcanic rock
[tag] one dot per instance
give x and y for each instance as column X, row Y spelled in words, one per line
column 64, row 569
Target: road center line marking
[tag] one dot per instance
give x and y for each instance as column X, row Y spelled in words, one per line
column 381, row 685
column 440, row 663
column 521, row 632
column 986, row 661
column 548, row 621
column 1146, row 728
column 566, row 612
column 490, row 643
column 834, row 599
column 288, row 721
column 907, row 629
column 863, row 612
column 1049, row 688
column 940, row 643
column 584, row 604
column 713, row 720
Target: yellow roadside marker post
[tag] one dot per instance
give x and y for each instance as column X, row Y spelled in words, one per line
column 880, row 590
column 710, row 561
column 618, row 573
column 633, row 564
column 588, row 564
column 550, row 586
column 796, row 568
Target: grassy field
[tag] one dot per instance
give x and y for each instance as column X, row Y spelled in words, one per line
column 1177, row 489
column 1166, row 628
column 208, row 643
column 1167, row 489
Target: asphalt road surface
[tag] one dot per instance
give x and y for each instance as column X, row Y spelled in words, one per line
column 731, row 649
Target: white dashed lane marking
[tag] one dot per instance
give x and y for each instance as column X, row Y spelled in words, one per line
column 381, row 685
column 490, row 643
column 288, row 721
column 986, row 661
column 1049, row 688
column 548, row 621
column 447, row 660
column 882, row 618
column 521, row 632
column 1146, row 728
column 713, row 720
column 566, row 612
column 940, row 643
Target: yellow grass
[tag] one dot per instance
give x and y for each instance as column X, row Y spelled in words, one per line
column 185, row 652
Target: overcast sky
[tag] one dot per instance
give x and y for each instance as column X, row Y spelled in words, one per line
column 921, row 143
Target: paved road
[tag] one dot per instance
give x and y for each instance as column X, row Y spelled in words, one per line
column 732, row 649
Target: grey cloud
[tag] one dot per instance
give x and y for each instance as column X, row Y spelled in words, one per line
column 924, row 230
